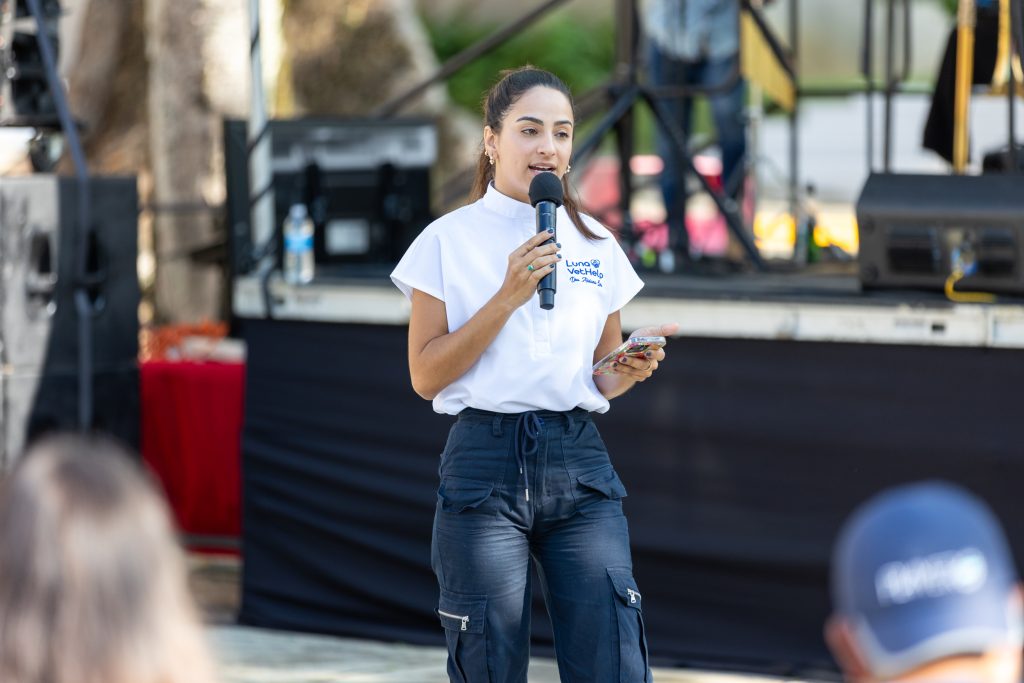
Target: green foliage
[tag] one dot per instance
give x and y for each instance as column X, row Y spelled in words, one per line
column 580, row 54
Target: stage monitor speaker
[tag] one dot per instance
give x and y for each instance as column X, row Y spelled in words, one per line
column 25, row 97
column 911, row 228
column 38, row 318
column 366, row 184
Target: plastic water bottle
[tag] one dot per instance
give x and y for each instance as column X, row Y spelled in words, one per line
column 298, row 246
column 805, row 249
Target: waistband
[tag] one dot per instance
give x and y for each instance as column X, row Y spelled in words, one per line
column 527, row 429
column 548, row 416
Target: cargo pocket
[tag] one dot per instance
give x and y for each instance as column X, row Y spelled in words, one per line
column 458, row 494
column 633, row 664
column 599, row 493
column 463, row 619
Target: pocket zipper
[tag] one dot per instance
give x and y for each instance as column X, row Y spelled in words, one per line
column 633, row 595
column 464, row 620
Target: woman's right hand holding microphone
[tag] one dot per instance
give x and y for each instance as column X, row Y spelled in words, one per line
column 530, row 262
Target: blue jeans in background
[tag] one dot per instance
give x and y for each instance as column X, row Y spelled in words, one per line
column 727, row 111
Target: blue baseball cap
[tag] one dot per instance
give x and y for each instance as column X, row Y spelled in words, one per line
column 922, row 572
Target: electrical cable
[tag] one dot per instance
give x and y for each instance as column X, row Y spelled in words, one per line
column 83, row 305
column 964, row 265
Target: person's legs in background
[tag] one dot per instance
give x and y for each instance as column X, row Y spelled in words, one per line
column 729, row 115
column 727, row 110
column 667, row 71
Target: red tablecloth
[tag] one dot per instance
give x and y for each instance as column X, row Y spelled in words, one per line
column 191, row 428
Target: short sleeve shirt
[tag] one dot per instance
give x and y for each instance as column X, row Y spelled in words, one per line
column 540, row 360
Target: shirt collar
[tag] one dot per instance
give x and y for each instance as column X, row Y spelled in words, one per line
column 505, row 205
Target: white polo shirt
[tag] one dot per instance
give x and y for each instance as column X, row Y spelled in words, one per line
column 541, row 360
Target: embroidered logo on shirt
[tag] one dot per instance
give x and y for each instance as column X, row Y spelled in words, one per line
column 585, row 271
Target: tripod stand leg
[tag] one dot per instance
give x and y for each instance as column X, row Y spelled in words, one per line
column 725, row 204
column 622, row 104
column 624, row 145
column 620, row 112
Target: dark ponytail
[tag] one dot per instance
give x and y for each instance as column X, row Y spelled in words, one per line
column 499, row 99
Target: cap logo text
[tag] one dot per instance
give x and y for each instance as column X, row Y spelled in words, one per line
column 933, row 576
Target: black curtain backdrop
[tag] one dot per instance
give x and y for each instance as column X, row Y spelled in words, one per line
column 741, row 458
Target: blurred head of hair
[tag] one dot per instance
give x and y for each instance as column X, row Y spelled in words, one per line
column 92, row 581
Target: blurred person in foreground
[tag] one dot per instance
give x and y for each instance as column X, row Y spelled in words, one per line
column 924, row 589
column 92, row 582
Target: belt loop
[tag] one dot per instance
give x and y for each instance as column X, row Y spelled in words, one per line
column 569, row 422
column 496, row 425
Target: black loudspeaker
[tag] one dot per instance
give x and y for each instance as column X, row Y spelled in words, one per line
column 25, row 97
column 38, row 318
column 366, row 184
column 1001, row 161
column 913, row 227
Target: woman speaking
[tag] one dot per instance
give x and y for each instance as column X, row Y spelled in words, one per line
column 524, row 472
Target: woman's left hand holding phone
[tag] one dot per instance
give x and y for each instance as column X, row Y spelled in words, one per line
column 639, row 368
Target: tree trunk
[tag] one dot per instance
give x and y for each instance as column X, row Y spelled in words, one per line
column 151, row 83
column 181, row 141
column 345, row 57
column 348, row 56
column 153, row 80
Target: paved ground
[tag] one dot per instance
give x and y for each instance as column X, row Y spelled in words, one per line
column 251, row 655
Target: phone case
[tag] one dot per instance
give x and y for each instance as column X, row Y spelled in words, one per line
column 635, row 346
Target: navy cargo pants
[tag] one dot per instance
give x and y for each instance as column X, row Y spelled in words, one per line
column 540, row 485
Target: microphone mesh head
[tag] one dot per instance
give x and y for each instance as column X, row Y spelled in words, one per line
column 546, row 187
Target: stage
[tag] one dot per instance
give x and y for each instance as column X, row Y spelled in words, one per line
column 824, row 305
column 784, row 402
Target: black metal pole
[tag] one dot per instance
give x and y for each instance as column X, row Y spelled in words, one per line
column 794, row 115
column 626, row 67
column 908, row 44
column 890, row 80
column 1011, row 87
column 867, row 69
column 621, row 106
column 457, row 62
column 83, row 306
column 725, row 205
column 784, row 56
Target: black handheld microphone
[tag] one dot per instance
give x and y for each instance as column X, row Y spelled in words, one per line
column 546, row 197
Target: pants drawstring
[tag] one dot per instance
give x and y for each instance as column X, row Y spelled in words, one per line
column 527, row 442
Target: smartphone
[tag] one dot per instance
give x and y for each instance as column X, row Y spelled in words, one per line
column 635, row 346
